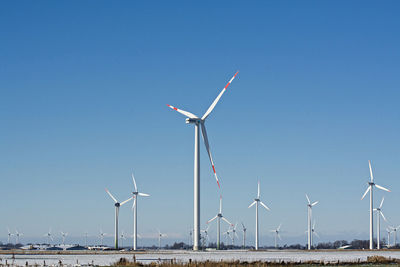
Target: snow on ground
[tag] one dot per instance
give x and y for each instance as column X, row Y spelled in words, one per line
column 184, row 256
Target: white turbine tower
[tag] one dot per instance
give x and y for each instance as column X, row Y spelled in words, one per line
column 63, row 235
column 277, row 231
column 135, row 194
column 244, row 235
column 309, row 219
column 370, row 188
column 199, row 122
column 219, row 216
column 378, row 227
column 117, row 205
column 256, row 202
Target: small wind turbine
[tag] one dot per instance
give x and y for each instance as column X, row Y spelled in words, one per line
column 388, row 234
column 277, row 231
column 9, row 235
column 370, row 188
column 234, row 234
column 122, row 239
column 101, row 236
column 394, row 230
column 205, row 237
column 63, row 235
column 309, row 219
column 378, row 225
column 49, row 237
column 227, row 233
column 199, row 122
column 17, row 235
column 256, row 202
column 313, row 233
column 135, row 194
column 244, row 236
column 117, row 205
column 160, row 235
column 219, row 216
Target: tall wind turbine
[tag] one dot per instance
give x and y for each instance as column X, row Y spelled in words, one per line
column 378, row 229
column 244, row 235
column 370, row 188
column 219, row 216
column 277, row 231
column 256, row 202
column 199, row 122
column 117, row 205
column 135, row 194
column 309, row 219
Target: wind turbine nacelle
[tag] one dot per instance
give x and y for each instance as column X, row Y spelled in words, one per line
column 190, row 120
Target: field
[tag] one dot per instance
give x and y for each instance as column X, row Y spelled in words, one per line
column 209, row 258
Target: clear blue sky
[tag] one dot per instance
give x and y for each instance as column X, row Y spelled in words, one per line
column 84, row 88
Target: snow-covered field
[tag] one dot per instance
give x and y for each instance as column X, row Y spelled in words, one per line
column 184, row 256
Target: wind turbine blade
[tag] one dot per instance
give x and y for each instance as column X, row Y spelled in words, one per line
column 108, row 192
column 236, row 235
column 313, row 227
column 129, row 199
column 380, row 206
column 220, row 204
column 134, row 182
column 212, row 219
column 143, row 195
column 370, row 171
column 265, row 206
column 366, row 191
column 252, row 204
column 382, row 188
column 258, row 190
column 383, row 216
column 279, row 227
column 279, row 236
column 186, row 113
column 206, row 143
column 223, row 218
column 315, row 203
column 309, row 202
column 217, row 99
column 316, row 234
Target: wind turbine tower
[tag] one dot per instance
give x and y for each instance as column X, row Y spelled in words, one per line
column 378, row 228
column 200, row 122
column 244, row 235
column 256, row 202
column 370, row 188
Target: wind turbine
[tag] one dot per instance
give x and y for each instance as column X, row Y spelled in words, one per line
column 199, row 122
column 378, row 230
column 134, row 208
column 17, row 235
column 63, row 237
column 313, row 233
column 227, row 233
column 205, row 238
column 244, row 236
column 394, row 230
column 102, row 235
column 309, row 219
column 219, row 216
column 388, row 234
column 122, row 238
column 117, row 205
column 370, row 188
column 159, row 238
column 9, row 235
column 256, row 202
column 234, row 234
column 277, row 231
column 48, row 235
